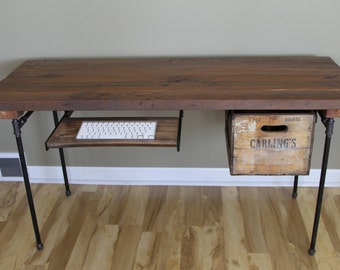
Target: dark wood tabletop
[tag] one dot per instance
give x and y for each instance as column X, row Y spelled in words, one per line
column 172, row 83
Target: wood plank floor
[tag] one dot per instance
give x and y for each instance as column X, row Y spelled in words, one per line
column 140, row 227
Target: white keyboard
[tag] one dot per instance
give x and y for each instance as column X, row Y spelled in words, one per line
column 117, row 130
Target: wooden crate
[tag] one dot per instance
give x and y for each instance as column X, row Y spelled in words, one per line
column 270, row 143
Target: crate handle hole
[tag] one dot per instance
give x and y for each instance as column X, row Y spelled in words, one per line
column 279, row 128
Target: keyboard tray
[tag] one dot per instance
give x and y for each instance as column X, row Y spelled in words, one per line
column 66, row 132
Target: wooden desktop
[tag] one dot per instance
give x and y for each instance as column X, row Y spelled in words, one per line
column 171, row 83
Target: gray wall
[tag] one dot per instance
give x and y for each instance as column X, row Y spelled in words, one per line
column 74, row 28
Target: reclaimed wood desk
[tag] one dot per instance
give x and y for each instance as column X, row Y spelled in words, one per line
column 196, row 83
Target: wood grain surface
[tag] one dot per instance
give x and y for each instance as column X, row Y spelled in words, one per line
column 168, row 228
column 213, row 83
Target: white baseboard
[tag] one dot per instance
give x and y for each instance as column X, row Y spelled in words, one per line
column 168, row 176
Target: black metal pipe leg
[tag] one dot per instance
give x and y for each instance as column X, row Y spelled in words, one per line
column 17, row 126
column 296, row 181
column 62, row 160
column 63, row 166
column 329, row 124
column 179, row 132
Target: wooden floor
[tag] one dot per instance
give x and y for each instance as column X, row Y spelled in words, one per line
column 129, row 227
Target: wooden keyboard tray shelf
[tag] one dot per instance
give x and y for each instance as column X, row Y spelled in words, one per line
column 64, row 136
